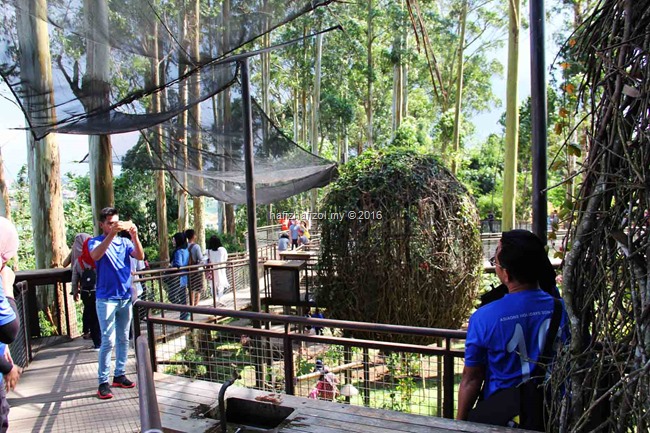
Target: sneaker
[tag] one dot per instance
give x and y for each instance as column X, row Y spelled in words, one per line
column 122, row 382
column 104, row 391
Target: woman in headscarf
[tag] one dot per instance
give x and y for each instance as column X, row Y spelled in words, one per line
column 83, row 287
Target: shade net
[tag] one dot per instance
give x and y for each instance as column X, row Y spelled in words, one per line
column 109, row 57
column 146, row 65
column 205, row 155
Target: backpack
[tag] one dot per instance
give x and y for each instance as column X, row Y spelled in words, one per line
column 192, row 262
column 88, row 275
column 88, row 279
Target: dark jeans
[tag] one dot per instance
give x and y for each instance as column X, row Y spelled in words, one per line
column 90, row 320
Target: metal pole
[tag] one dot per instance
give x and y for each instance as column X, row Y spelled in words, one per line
column 538, row 117
column 250, row 186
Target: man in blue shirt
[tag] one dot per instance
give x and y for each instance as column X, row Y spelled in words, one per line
column 506, row 337
column 111, row 254
column 294, row 230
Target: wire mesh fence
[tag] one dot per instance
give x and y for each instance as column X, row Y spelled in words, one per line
column 20, row 348
column 311, row 358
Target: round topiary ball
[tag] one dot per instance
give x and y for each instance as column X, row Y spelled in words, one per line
column 401, row 244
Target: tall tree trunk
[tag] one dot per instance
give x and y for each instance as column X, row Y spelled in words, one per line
column 96, row 85
column 42, row 155
column 315, row 107
column 459, row 89
column 227, row 115
column 181, row 130
column 369, row 80
column 194, row 35
column 512, row 120
column 160, row 186
column 266, row 85
column 5, row 205
column 296, row 115
column 399, row 72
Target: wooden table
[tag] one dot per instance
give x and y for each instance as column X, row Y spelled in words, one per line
column 179, row 398
column 298, row 255
column 282, row 277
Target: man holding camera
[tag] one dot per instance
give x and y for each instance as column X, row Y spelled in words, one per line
column 111, row 254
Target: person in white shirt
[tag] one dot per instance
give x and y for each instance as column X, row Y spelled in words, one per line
column 217, row 273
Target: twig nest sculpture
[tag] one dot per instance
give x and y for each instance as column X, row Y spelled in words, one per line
column 401, row 243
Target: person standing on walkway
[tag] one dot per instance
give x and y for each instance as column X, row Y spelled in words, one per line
column 112, row 254
column 196, row 258
column 295, row 229
column 217, row 254
column 177, row 287
column 84, row 278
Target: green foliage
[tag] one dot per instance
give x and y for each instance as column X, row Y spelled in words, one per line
column 21, row 217
column 232, row 244
column 46, row 327
column 406, row 207
column 78, row 212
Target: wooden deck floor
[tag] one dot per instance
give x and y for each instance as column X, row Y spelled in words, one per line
column 58, row 390
column 57, row 393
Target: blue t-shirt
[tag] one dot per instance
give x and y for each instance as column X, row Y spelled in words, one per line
column 294, row 229
column 507, row 337
column 7, row 313
column 114, row 268
column 181, row 257
column 283, row 244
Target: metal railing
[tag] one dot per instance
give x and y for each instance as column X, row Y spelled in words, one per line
column 149, row 412
column 42, row 327
column 281, row 355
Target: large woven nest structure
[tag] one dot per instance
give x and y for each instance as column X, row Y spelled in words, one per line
column 606, row 283
column 407, row 250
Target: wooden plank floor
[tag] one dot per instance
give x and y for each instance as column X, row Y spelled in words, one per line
column 58, row 393
column 58, row 390
column 179, row 398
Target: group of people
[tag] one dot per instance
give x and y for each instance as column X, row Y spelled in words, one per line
column 187, row 253
column 510, row 341
column 294, row 233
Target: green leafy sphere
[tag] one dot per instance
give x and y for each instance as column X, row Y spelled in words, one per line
column 411, row 255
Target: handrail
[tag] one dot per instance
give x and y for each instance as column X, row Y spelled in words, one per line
column 445, row 337
column 328, row 323
column 150, row 421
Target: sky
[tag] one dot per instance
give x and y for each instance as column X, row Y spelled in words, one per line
column 73, row 148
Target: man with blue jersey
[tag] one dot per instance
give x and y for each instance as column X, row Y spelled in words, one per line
column 505, row 338
column 111, row 254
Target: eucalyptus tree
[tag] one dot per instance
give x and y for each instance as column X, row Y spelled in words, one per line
column 512, row 118
column 96, row 96
column 195, row 139
column 43, row 155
